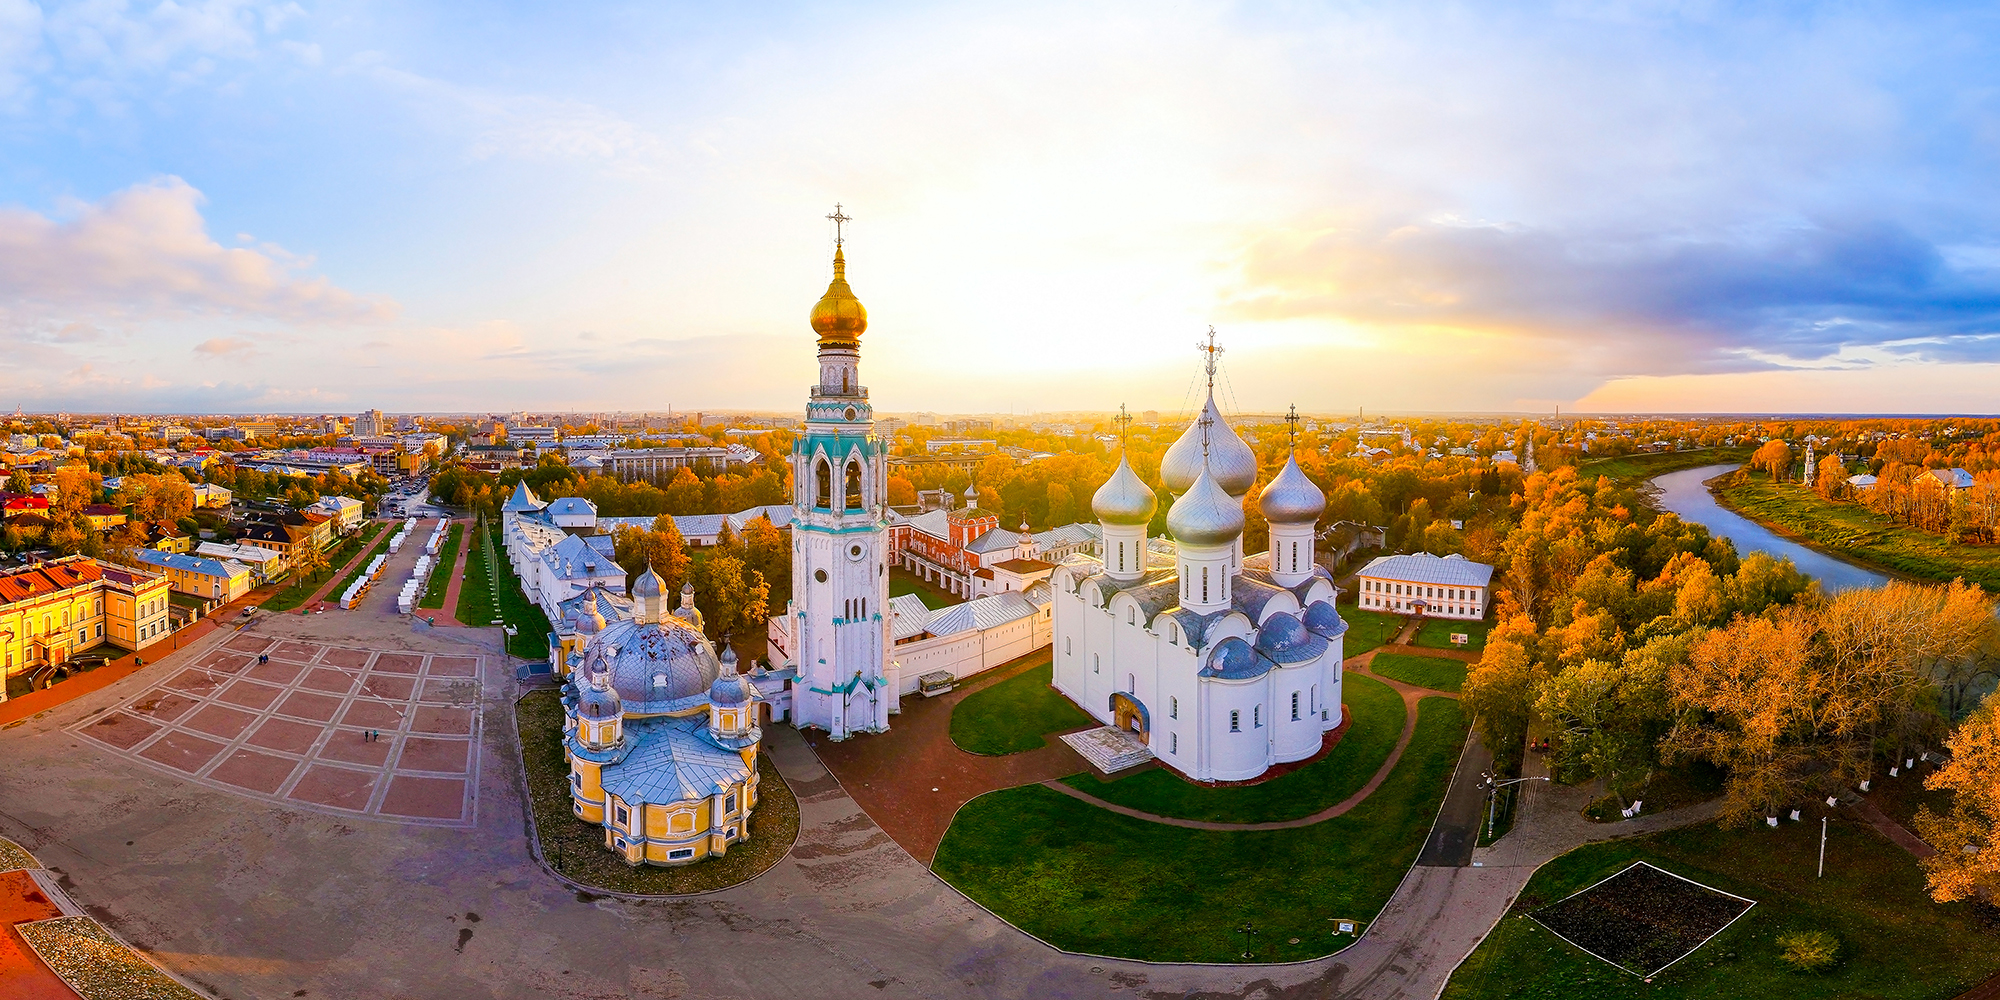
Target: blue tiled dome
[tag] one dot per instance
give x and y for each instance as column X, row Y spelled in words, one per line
column 1233, row 659
column 1324, row 620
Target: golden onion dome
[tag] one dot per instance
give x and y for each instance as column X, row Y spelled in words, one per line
column 838, row 317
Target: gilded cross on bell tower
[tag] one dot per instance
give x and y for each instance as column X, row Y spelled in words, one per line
column 840, row 221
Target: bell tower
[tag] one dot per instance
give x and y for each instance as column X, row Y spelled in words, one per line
column 840, row 569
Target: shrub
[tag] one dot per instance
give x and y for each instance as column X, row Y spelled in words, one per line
column 1808, row 951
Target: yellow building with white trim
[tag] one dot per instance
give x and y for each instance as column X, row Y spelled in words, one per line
column 660, row 734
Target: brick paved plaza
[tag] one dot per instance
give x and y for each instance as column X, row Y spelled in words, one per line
column 294, row 727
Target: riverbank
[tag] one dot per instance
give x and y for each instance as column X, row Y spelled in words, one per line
column 1686, row 494
column 1647, row 466
column 1855, row 534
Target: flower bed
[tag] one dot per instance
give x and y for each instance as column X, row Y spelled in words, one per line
column 1642, row 919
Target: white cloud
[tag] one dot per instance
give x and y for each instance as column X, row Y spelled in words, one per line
column 145, row 253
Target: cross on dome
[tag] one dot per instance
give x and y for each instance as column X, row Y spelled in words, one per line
column 1292, row 419
column 840, row 220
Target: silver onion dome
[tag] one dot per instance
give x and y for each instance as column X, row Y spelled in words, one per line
column 648, row 584
column 598, row 700
column 1124, row 498
column 1291, row 498
column 1205, row 515
column 1230, row 461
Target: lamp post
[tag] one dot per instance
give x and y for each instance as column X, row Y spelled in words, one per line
column 1248, row 933
column 1493, row 786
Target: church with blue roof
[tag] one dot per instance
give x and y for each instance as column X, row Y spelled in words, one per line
column 1222, row 665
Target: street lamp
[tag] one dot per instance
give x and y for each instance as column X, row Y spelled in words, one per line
column 1493, row 786
column 1248, row 932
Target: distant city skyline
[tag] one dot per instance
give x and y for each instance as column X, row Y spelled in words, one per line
column 243, row 207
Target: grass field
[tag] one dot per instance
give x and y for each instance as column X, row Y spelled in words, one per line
column 1434, row 672
column 475, row 595
column 296, row 593
column 1631, row 467
column 1895, row 942
column 1368, row 629
column 360, row 567
column 1435, row 633
column 1014, row 715
column 1375, row 720
column 440, row 581
column 530, row 640
column 1854, row 532
column 1088, row 880
column 905, row 582
column 576, row 849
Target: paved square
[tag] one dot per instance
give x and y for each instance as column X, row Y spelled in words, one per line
column 296, row 729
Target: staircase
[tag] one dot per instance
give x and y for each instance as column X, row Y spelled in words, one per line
column 1108, row 748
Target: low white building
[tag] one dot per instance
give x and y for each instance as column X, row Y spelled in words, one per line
column 266, row 565
column 1435, row 586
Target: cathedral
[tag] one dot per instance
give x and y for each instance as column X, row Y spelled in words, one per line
column 840, row 533
column 1222, row 664
column 660, row 733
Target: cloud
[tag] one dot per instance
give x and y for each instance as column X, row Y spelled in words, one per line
column 144, row 252
column 531, row 127
column 1659, row 301
column 220, row 347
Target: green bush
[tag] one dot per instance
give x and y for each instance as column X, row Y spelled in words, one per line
column 1808, row 951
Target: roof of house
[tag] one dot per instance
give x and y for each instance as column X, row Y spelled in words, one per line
column 42, row 579
column 190, row 564
column 1025, row 566
column 570, row 507
column 522, row 500
column 671, row 760
column 1422, row 567
column 1957, row 479
column 982, row 614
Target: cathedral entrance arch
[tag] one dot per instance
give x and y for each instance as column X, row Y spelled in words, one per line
column 1129, row 714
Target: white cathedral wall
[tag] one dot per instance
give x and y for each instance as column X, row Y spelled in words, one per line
column 1240, row 754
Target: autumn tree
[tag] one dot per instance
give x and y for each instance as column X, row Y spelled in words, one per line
column 734, row 599
column 76, row 488
column 1967, row 836
column 1608, row 716
column 902, row 492
column 1830, row 479
column 1774, row 457
column 767, row 552
column 1500, row 689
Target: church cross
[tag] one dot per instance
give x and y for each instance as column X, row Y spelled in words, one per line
column 1211, row 354
column 840, row 221
column 1124, row 422
column 1292, row 418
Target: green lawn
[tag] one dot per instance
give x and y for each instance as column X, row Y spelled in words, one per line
column 1646, row 466
column 1089, row 880
column 1013, row 715
column 530, row 640
column 440, row 581
column 296, row 593
column 1895, row 942
column 1434, row 672
column 904, row 582
column 475, row 596
column 1375, row 714
column 1854, row 532
column 1436, row 633
column 1368, row 629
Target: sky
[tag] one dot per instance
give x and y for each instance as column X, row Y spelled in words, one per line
column 246, row 206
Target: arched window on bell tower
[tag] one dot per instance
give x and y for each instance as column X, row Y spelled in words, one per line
column 823, row 484
column 854, row 484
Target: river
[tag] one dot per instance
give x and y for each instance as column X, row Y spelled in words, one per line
column 1683, row 493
